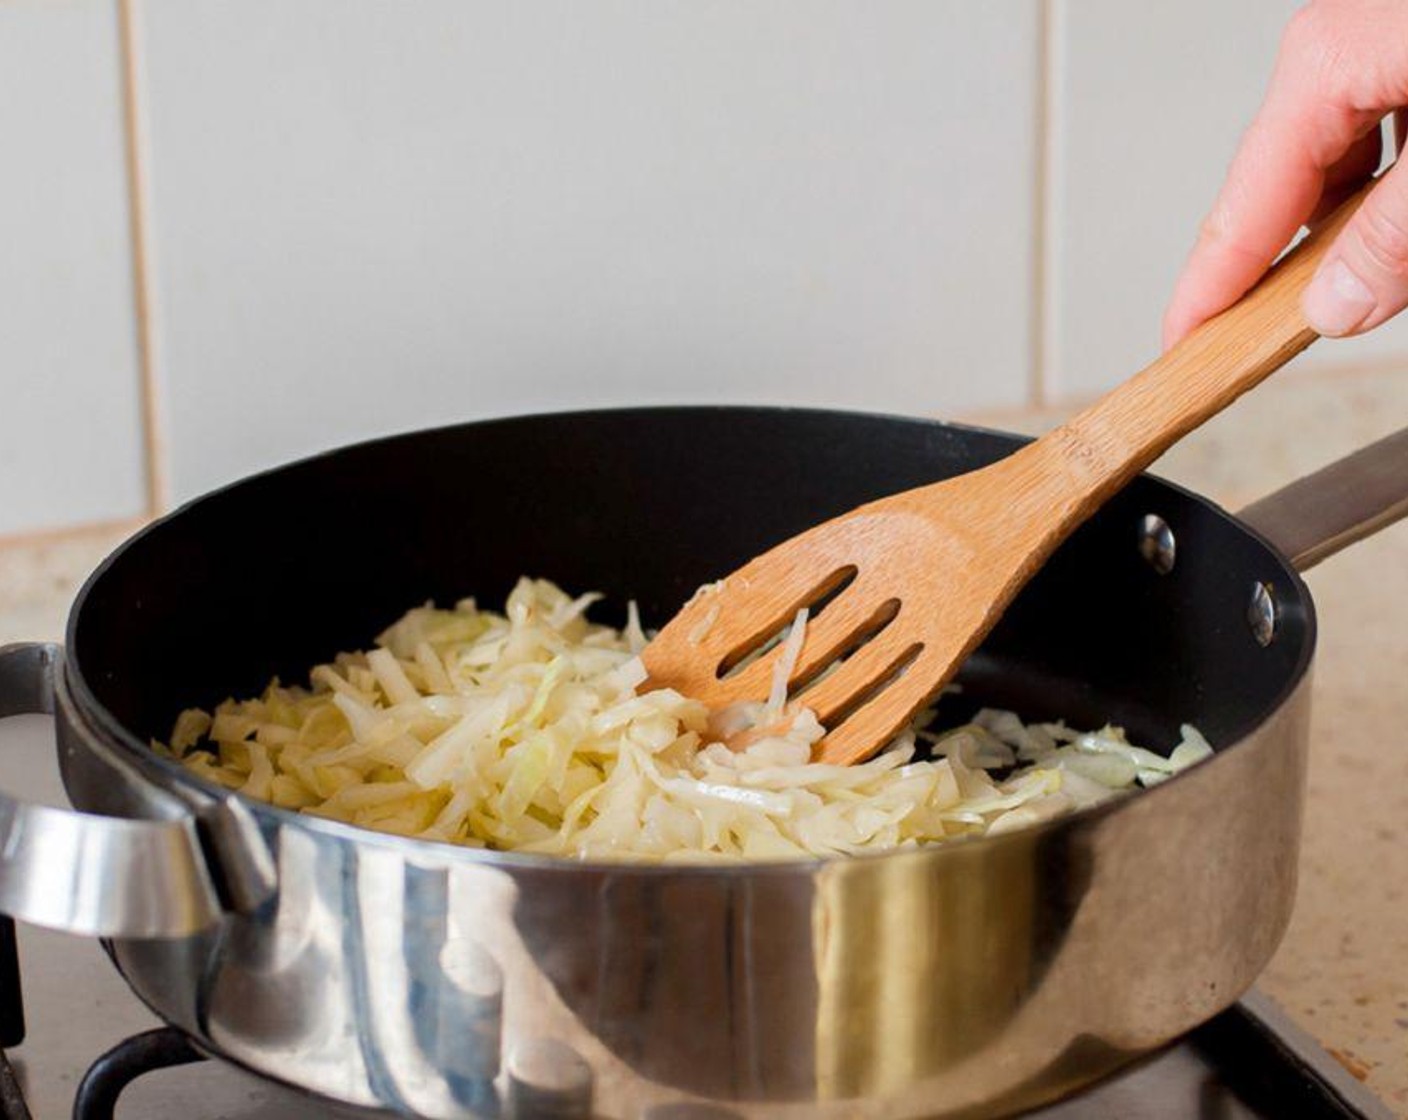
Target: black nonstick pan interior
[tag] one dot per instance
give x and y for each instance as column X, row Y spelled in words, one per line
column 276, row 573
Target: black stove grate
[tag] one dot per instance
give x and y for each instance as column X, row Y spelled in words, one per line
column 12, row 1104
column 147, row 1052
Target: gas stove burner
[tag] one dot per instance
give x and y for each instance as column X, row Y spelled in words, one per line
column 1250, row 1063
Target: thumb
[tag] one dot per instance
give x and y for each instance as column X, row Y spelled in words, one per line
column 1363, row 279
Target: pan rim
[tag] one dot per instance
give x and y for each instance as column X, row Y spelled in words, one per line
column 101, row 722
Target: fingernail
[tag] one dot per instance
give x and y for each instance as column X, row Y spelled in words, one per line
column 1337, row 301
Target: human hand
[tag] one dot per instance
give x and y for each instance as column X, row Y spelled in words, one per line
column 1342, row 66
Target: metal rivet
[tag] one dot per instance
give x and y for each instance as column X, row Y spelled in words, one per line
column 548, row 1080
column 1261, row 614
column 1156, row 543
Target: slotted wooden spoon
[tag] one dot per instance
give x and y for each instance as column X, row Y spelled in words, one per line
column 923, row 575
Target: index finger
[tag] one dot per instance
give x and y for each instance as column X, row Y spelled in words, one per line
column 1303, row 130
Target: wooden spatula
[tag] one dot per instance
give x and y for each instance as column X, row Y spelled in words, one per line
column 923, row 575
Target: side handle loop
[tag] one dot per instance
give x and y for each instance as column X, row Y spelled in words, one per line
column 27, row 678
column 87, row 874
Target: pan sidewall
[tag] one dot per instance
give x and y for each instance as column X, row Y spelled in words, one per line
column 994, row 973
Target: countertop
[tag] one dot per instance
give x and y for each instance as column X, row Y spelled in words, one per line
column 1341, row 971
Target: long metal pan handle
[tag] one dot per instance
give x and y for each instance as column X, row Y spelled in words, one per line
column 1337, row 505
column 87, row 874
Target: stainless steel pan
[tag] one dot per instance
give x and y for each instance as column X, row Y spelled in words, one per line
column 978, row 978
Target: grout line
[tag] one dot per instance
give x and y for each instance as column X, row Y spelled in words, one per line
column 28, row 538
column 1005, row 415
column 1038, row 311
column 1334, row 369
column 1056, row 21
column 1067, row 404
column 158, row 486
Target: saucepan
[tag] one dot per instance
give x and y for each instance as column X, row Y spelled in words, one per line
column 977, row 978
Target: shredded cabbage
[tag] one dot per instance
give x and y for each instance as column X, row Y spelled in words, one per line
column 525, row 730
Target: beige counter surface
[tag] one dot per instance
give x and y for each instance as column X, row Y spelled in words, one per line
column 1342, row 970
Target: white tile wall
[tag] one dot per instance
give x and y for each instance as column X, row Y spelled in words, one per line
column 369, row 216
column 70, row 418
column 1147, row 102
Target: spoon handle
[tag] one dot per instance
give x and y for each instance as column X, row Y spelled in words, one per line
column 1099, row 450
